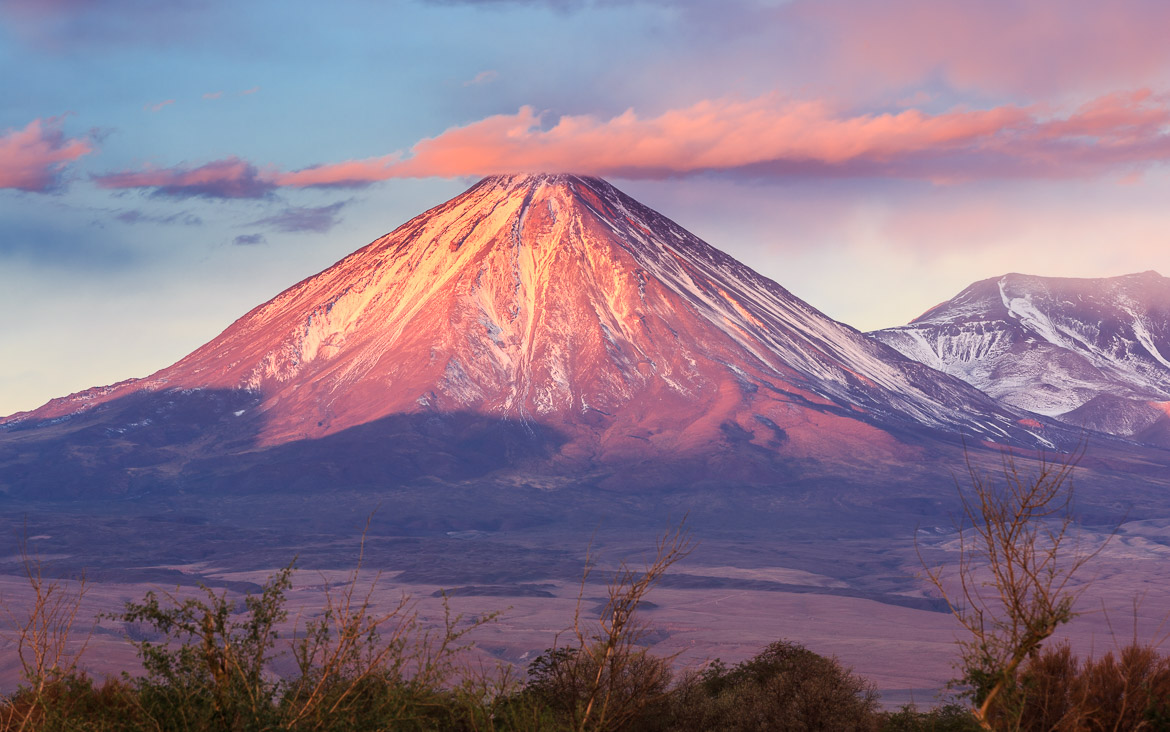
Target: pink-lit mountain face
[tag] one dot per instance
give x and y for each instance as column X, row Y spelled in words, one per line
column 1090, row 352
column 557, row 302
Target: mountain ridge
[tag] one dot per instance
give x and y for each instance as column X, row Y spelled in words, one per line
column 1092, row 352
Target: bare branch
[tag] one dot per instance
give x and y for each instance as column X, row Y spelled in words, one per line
column 1015, row 574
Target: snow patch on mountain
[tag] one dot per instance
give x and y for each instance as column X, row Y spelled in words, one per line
column 1088, row 351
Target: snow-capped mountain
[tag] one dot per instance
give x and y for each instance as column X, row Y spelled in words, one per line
column 557, row 301
column 1091, row 352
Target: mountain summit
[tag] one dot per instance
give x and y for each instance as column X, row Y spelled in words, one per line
column 556, row 301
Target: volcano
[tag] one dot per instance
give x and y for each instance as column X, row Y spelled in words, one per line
column 557, row 309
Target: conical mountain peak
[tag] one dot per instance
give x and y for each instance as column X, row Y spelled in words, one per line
column 531, row 180
column 557, row 299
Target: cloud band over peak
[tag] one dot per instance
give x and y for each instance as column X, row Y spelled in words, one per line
column 765, row 136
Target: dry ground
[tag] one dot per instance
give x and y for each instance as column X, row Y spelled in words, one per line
column 709, row 607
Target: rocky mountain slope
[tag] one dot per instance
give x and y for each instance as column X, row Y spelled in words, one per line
column 1090, row 352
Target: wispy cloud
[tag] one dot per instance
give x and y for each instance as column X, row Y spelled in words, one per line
column 227, row 178
column 483, row 77
column 34, row 158
column 213, row 95
column 348, row 174
column 304, row 218
column 248, row 92
column 244, row 240
column 134, row 216
column 159, row 106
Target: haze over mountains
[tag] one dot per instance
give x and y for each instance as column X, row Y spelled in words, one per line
column 1094, row 353
column 592, row 330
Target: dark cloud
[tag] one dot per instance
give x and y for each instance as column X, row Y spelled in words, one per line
column 227, row 178
column 304, row 218
column 134, row 216
column 244, row 240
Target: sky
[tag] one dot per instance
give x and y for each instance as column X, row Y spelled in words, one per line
column 165, row 167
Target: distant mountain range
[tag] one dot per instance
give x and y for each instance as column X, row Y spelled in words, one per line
column 1094, row 353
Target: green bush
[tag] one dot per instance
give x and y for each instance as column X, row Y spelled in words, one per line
column 633, row 686
column 209, row 670
column 786, row 688
column 947, row 718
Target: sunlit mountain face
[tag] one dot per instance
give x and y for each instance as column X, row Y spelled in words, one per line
column 554, row 306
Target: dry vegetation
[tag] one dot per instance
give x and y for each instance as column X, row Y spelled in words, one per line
column 1018, row 560
column 209, row 662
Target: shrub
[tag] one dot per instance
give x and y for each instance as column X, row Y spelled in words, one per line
column 562, row 680
column 1125, row 690
column 785, row 688
column 947, row 718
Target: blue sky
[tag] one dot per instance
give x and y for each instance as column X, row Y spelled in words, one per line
column 164, row 167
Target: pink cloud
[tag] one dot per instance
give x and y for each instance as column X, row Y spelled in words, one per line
column 483, row 77
column 32, row 159
column 213, row 95
column 349, row 174
column 768, row 135
column 158, row 107
column 773, row 135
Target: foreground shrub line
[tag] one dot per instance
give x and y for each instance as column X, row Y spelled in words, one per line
column 208, row 661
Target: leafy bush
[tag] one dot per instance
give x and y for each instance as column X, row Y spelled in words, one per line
column 947, row 718
column 561, row 680
column 72, row 702
column 209, row 669
column 785, row 688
